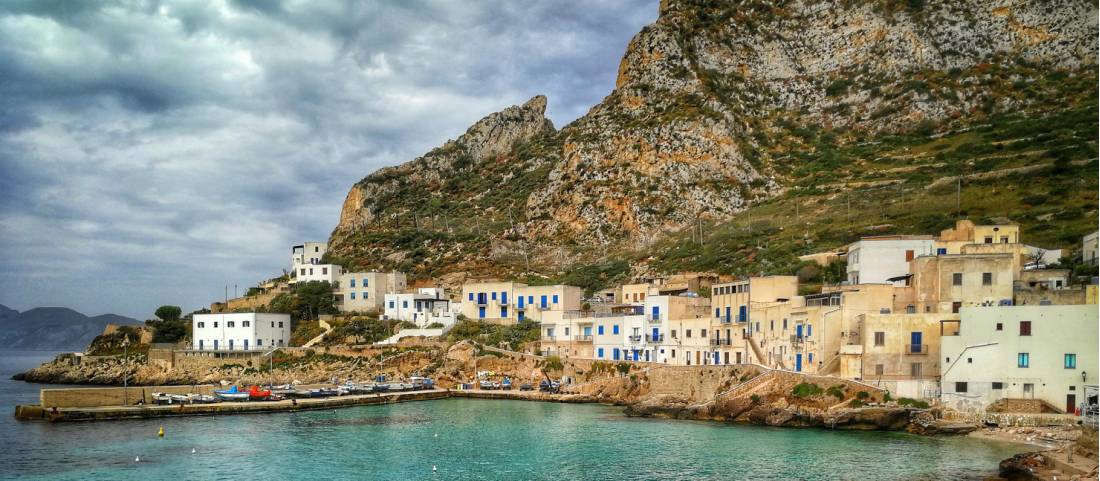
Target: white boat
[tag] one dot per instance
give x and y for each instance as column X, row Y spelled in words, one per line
column 162, row 398
column 202, row 398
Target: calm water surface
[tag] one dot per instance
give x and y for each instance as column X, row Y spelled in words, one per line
column 464, row 439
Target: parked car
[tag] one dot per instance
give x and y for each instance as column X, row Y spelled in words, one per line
column 526, row 387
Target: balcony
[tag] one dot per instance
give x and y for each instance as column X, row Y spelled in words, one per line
column 795, row 339
column 916, row 349
column 636, row 339
column 725, row 319
column 654, row 319
column 657, row 338
column 482, row 302
column 721, row 342
column 583, row 338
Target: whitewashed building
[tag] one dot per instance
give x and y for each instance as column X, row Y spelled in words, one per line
column 1020, row 353
column 307, row 253
column 239, row 331
column 329, row 273
column 426, row 306
column 884, row 259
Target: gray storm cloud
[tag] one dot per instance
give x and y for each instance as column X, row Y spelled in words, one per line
column 152, row 152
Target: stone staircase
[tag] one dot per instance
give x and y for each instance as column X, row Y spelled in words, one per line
column 324, row 325
column 756, row 351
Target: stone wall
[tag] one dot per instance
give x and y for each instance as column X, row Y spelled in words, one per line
column 111, row 396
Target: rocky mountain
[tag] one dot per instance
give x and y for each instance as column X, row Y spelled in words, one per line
column 53, row 328
column 723, row 108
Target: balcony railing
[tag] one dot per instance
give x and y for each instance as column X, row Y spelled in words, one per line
column 657, row 338
column 721, row 342
column 583, row 338
column 637, row 338
column 916, row 349
column 654, row 318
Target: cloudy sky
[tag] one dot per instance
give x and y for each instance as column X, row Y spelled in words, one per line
column 153, row 152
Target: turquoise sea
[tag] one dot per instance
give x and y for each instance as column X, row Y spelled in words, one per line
column 464, row 439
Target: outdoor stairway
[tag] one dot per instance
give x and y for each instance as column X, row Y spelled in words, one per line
column 756, row 351
column 315, row 340
column 747, row 388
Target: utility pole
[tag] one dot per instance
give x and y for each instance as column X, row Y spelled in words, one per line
column 126, row 372
column 958, row 196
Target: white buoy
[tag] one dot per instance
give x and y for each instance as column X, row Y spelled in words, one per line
column 193, row 451
column 436, row 435
column 433, row 468
column 137, row 459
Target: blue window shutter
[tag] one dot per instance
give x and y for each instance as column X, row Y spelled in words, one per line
column 542, row 301
column 481, row 312
column 471, row 296
column 366, row 282
column 599, row 330
column 717, row 312
column 555, row 298
column 599, row 352
column 615, row 329
column 352, row 282
column 530, row 299
column 494, row 295
column 503, row 312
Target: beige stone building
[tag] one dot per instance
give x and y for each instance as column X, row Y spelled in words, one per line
column 508, row 302
column 948, row 282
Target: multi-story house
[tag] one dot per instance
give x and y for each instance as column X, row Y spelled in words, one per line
column 508, row 302
column 1021, row 355
column 425, row 306
column 307, row 253
column 883, row 259
column 329, row 273
column 366, row 291
column 239, row 331
column 949, row 282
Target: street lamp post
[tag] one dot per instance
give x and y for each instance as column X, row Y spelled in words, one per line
column 126, row 370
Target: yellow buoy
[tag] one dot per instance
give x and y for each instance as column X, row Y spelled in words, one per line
column 161, row 432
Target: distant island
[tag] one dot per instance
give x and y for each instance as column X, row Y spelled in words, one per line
column 53, row 328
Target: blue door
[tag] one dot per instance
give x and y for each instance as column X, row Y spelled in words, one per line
column 727, row 319
column 503, row 297
column 798, row 362
column 615, row 354
column 656, row 313
column 915, row 340
column 743, row 314
column 521, row 302
column 716, row 359
column 635, row 354
column 200, row 344
column 798, row 331
column 656, row 335
column 647, row 356
column 481, row 312
column 542, row 301
column 246, row 344
column 215, row 344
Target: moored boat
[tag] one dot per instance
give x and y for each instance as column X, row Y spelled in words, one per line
column 161, row 398
column 231, row 394
column 255, row 394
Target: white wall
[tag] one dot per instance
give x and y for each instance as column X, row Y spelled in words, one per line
column 981, row 355
column 874, row 261
column 249, row 331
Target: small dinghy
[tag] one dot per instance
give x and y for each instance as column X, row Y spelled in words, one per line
column 179, row 399
column 231, row 394
column 202, row 398
column 255, row 394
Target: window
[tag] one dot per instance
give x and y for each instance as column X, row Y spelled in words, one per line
column 231, row 324
column 674, row 333
column 878, row 369
column 1029, row 388
column 1071, row 361
column 246, row 323
column 391, row 304
column 202, row 325
column 280, row 324
column 599, row 330
column 352, row 296
column 503, row 311
column 784, row 324
column 404, row 304
column 955, row 306
column 1004, row 239
column 324, row 271
column 351, row 283
column 957, row 279
column 908, row 256
column 471, row 296
column 1023, row 360
column 998, row 385
column 555, row 299
column 366, row 282
column 303, row 272
column 987, row 278
column 880, row 338
column 272, row 324
column 566, row 331
column 1025, row 328
column 941, row 251
column 702, row 333
column 549, row 332
column 215, row 323
column 599, row 352
column 772, row 322
column 988, row 239
column 493, row 295
column 259, row 342
column 687, row 333
column 960, row 387
column 809, row 330
column 614, row 328
column 915, row 369
column 1000, row 326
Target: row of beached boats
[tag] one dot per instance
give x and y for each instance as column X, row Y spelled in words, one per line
column 288, row 391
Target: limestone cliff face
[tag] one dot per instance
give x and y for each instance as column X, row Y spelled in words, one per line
column 699, row 124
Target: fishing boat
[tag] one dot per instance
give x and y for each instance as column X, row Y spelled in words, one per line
column 421, row 382
column 255, row 394
column 161, row 398
column 323, row 392
column 231, row 394
column 381, row 387
column 283, row 389
column 202, row 398
column 179, row 398
column 506, row 384
column 486, row 384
